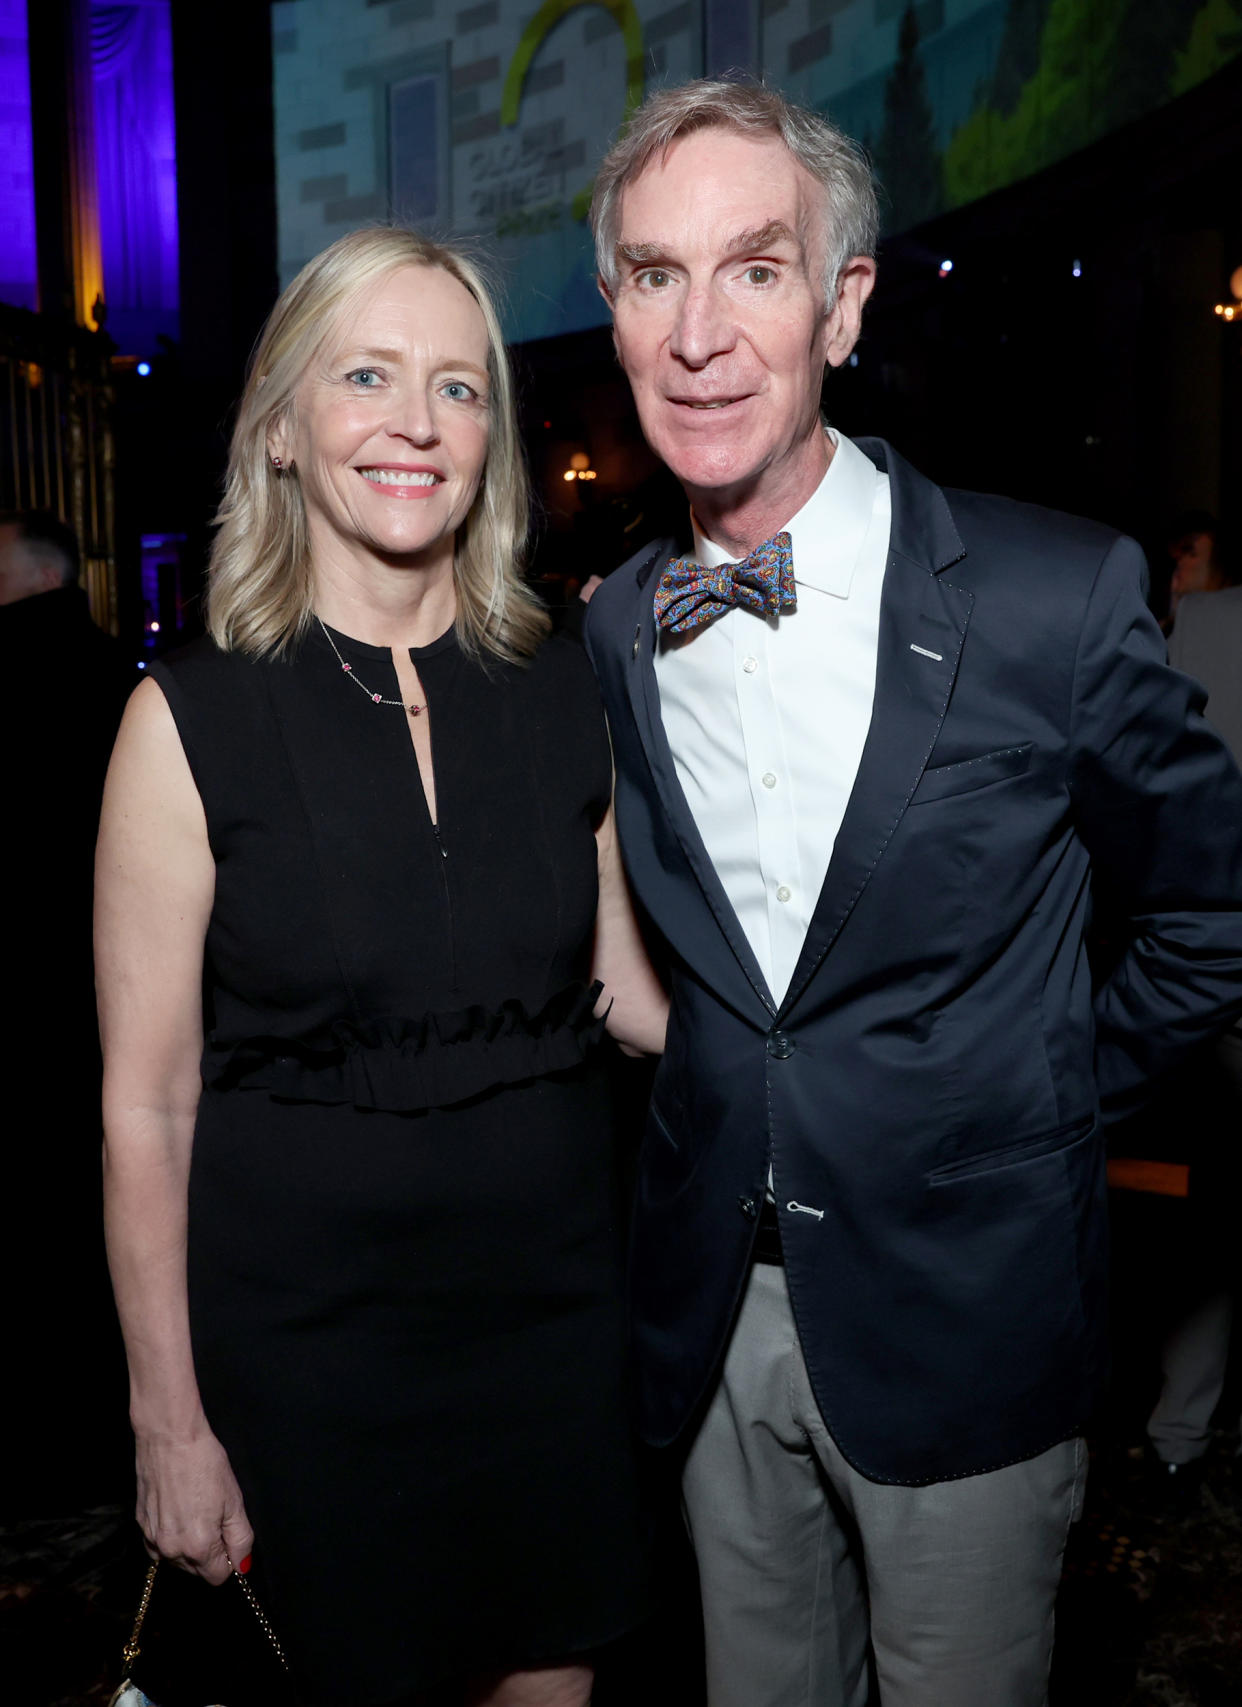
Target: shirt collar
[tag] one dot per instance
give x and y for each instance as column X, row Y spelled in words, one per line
column 829, row 530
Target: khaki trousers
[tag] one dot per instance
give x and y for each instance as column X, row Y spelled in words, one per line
column 823, row 1589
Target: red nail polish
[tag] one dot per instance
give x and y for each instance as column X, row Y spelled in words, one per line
column 245, row 1565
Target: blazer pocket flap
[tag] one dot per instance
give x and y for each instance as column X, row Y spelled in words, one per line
column 1010, row 1155
column 966, row 775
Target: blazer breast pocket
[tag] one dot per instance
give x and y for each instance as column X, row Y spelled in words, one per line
column 967, row 775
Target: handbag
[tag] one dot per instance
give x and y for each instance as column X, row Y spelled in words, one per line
column 128, row 1692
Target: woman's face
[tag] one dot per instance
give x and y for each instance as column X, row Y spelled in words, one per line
column 389, row 427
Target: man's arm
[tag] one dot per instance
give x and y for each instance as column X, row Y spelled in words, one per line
column 1158, row 803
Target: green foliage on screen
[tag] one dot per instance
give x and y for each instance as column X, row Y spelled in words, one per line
column 1099, row 64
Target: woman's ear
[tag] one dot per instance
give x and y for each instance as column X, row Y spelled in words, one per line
column 280, row 442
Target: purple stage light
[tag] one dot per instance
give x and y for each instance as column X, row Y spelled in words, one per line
column 136, row 168
column 18, row 266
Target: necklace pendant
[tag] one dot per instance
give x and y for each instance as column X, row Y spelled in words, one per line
column 414, row 710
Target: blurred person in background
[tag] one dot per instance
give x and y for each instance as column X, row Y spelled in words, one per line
column 1198, row 558
column 63, row 687
column 1204, row 1110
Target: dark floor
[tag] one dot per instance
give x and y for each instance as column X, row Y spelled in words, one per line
column 1150, row 1613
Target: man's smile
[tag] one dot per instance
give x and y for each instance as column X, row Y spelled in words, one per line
column 707, row 403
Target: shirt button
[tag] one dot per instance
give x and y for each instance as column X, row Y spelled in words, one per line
column 780, row 1046
column 750, row 665
column 748, row 1206
column 784, row 893
column 769, row 779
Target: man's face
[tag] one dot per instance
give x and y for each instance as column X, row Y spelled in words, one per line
column 21, row 574
column 719, row 316
column 1193, row 568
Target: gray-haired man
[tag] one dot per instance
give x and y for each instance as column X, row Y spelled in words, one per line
column 871, row 738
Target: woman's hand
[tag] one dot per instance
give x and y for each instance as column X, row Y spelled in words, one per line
column 190, row 1508
column 634, row 998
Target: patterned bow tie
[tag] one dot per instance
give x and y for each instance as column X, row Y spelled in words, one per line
column 690, row 595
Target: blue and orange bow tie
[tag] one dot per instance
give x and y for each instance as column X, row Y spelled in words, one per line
column 689, row 595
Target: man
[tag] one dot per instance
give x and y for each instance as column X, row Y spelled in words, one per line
column 1195, row 553
column 63, row 685
column 861, row 794
column 1207, row 644
column 1207, row 638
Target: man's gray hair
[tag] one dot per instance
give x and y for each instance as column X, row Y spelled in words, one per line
column 851, row 212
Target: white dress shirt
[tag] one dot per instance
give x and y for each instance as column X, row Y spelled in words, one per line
column 767, row 716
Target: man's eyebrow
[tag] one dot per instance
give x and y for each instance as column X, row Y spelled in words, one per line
column 641, row 254
column 752, row 241
column 761, row 237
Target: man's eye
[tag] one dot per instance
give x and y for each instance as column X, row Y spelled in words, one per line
column 655, row 278
column 760, row 275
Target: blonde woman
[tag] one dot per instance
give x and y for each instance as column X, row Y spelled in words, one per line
column 356, row 878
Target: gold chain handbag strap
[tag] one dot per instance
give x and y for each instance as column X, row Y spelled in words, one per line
column 261, row 1616
column 131, row 1650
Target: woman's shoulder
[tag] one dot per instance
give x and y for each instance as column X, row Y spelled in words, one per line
column 219, row 700
column 201, row 660
column 202, row 674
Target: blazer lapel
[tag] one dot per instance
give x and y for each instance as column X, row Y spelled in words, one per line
column 644, row 695
column 923, row 621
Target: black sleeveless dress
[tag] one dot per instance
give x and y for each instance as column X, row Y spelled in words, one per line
column 404, row 1232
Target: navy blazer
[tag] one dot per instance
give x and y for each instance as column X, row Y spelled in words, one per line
column 934, row 1078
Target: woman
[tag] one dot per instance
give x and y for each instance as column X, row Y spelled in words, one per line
column 348, row 875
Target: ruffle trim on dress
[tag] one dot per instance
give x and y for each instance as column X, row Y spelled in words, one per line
column 398, row 1065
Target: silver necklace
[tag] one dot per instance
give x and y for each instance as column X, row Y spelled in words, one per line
column 377, row 698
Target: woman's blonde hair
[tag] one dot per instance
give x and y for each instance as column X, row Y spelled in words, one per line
column 260, row 588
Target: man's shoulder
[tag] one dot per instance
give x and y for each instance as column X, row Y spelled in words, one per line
column 1039, row 558
column 987, row 520
column 614, row 604
column 1001, row 538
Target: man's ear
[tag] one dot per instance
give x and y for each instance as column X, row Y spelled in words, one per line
column 844, row 320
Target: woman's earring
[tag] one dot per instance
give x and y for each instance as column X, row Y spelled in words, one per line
column 277, row 463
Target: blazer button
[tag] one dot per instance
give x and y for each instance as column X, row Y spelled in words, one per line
column 781, row 1046
column 748, row 1206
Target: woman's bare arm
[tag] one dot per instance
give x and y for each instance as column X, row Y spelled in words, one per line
column 154, row 884
column 639, row 1006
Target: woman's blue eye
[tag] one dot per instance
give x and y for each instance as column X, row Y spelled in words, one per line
column 458, row 391
column 365, row 377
